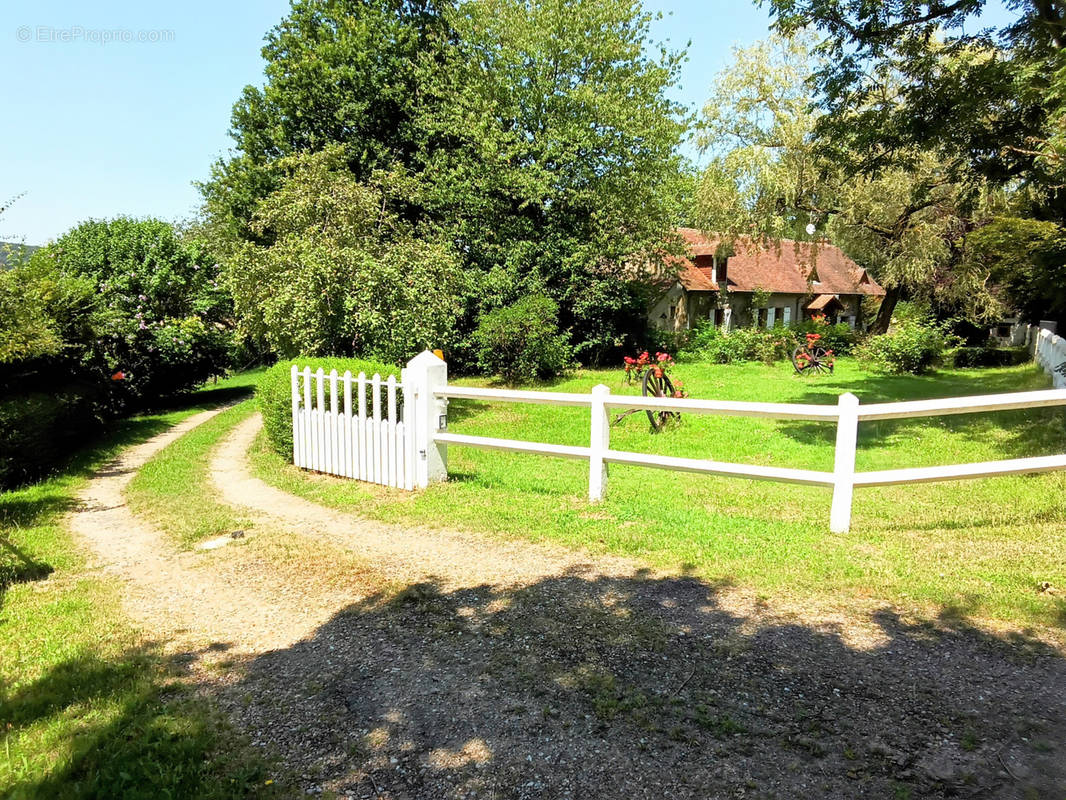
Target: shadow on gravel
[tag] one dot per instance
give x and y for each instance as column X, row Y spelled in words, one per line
column 579, row 687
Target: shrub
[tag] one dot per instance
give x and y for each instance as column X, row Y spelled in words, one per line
column 522, row 341
column 913, row 346
column 157, row 314
column 708, row 343
column 990, row 356
column 38, row 430
column 274, row 393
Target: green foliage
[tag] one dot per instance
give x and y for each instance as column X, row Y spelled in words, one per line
column 273, row 392
column 158, row 315
column 38, row 430
column 522, row 342
column 340, row 275
column 537, row 139
column 43, row 312
column 709, row 343
column 1026, row 259
column 913, row 347
column 958, row 75
column 989, row 356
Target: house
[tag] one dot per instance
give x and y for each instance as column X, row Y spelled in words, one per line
column 742, row 281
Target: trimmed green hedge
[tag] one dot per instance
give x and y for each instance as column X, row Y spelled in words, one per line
column 990, row 356
column 274, row 394
column 40, row 429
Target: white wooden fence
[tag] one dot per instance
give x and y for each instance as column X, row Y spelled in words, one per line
column 359, row 434
column 1049, row 351
column 325, row 438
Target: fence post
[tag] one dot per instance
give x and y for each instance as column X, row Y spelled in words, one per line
column 600, row 441
column 844, row 463
column 424, row 375
column 297, row 428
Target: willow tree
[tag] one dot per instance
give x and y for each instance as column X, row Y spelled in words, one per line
column 772, row 174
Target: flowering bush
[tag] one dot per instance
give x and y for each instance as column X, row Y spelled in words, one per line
column 157, row 322
column 709, row 343
column 660, row 366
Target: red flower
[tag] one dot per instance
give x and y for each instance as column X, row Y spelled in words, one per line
column 119, row 376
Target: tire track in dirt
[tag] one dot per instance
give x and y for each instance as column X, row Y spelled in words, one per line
column 400, row 553
column 175, row 594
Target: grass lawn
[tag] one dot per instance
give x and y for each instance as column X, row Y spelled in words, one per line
column 976, row 549
column 87, row 707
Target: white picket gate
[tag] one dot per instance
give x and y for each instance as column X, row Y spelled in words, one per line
column 361, row 433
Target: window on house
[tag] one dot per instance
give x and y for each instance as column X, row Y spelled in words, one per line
column 721, row 265
column 763, row 315
column 779, row 316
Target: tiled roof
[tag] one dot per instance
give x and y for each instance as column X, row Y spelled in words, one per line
column 692, row 277
column 784, row 266
column 821, row 302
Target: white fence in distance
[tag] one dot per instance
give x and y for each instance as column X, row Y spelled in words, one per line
column 322, row 437
column 1049, row 351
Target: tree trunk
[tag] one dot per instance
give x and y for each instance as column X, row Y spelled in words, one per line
column 884, row 313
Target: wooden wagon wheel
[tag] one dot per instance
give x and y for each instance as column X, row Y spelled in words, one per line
column 823, row 362
column 658, row 386
column 800, row 364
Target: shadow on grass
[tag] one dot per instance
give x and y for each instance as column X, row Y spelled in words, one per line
column 18, row 566
column 1018, row 433
column 636, row 687
column 133, row 739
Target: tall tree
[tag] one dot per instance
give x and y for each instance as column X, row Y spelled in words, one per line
column 536, row 137
column 992, row 97
column 345, row 72
column 562, row 153
column 772, row 174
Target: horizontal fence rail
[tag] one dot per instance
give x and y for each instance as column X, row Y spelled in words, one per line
column 408, row 447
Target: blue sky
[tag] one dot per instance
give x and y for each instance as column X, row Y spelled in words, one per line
column 97, row 129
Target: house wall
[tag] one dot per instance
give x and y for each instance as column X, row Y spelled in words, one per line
column 670, row 312
column 679, row 309
column 744, row 315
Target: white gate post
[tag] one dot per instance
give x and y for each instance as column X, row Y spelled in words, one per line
column 297, row 429
column 599, row 442
column 426, row 374
column 844, row 463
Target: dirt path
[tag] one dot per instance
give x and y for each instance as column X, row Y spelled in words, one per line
column 513, row 670
column 448, row 559
column 528, row 671
column 175, row 594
